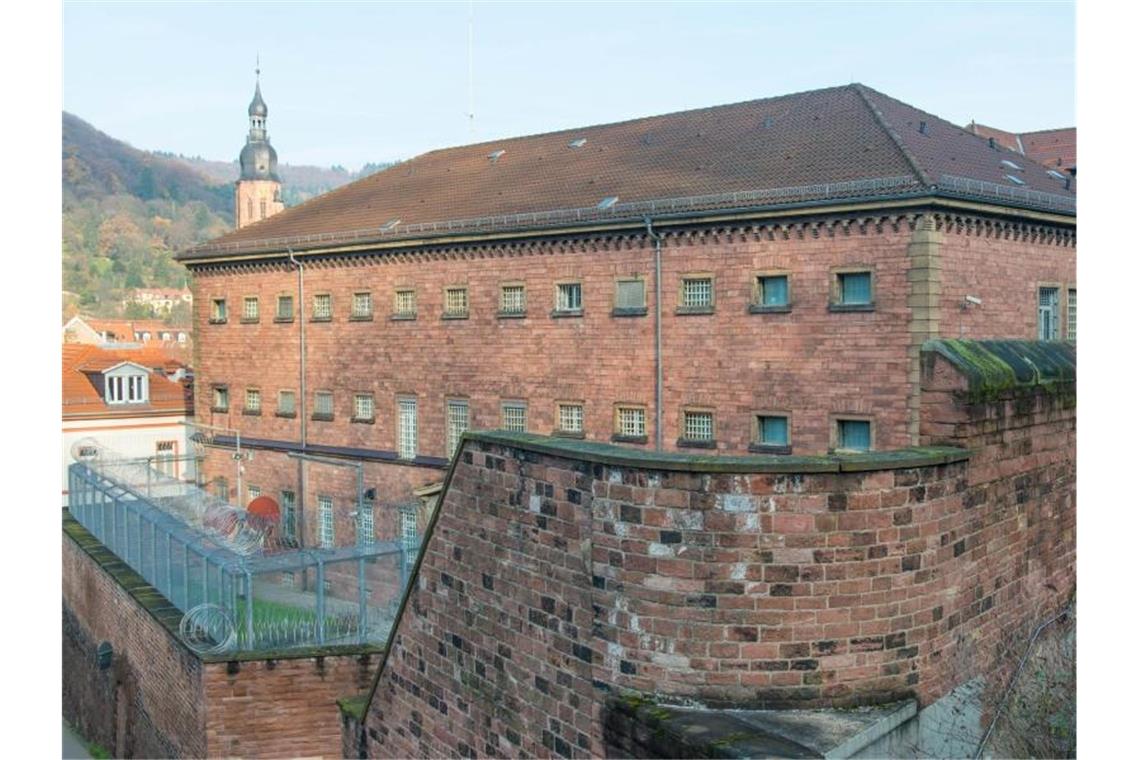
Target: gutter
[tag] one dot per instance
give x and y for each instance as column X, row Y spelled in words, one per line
column 300, row 314
column 657, row 357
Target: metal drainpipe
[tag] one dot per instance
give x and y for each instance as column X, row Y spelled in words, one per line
column 299, row 314
column 658, row 437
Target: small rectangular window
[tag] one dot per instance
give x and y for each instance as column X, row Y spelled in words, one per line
column 629, row 298
column 406, row 431
column 252, row 401
column 405, row 307
column 289, row 514
column 222, row 489
column 853, row 435
column 514, row 416
column 284, row 308
column 322, row 307
column 696, row 295
column 252, row 492
column 221, row 398
column 326, row 525
column 770, row 434
column 165, row 456
column 568, row 298
column 409, row 530
column 457, row 419
column 323, row 406
column 286, row 404
column 251, row 309
column 771, row 293
column 1048, row 314
column 362, row 306
column 363, row 408
column 218, row 310
column 1071, row 333
column 853, row 289
column 696, row 427
column 629, row 424
column 455, row 302
column 570, row 419
column 512, row 300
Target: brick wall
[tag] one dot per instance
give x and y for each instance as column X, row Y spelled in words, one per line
column 159, row 699
column 554, row 577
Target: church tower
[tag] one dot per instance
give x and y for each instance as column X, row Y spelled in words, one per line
column 257, row 194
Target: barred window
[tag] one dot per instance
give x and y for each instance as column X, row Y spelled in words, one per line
column 1071, row 333
column 406, row 428
column 456, row 424
column 409, row 531
column 570, row 418
column 363, row 408
column 631, row 421
column 218, row 310
column 285, row 307
column 286, row 402
column 455, row 301
column 698, row 426
column 697, row 292
column 1048, row 314
column 326, row 536
column 513, row 299
column 569, row 297
column 251, row 309
column 289, row 514
column 324, row 404
column 361, row 305
column 514, row 417
column 405, row 303
column 322, row 306
column 253, row 400
column 252, row 492
column 366, row 523
column 221, row 398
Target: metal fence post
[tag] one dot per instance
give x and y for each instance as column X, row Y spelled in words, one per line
column 249, row 610
column 320, row 600
column 362, row 621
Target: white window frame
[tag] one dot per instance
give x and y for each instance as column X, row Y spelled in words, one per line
column 568, row 297
column 512, row 298
column 406, row 427
column 452, row 296
column 289, row 514
column 322, row 306
column 1049, row 314
column 362, row 305
column 318, row 398
column 363, row 407
column 326, row 527
column 514, row 416
column 405, row 306
column 281, row 396
column 251, row 309
column 458, row 420
column 631, row 421
column 253, row 400
column 697, row 292
column 693, row 427
column 571, row 418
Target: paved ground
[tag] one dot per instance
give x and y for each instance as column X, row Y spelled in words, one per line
column 73, row 746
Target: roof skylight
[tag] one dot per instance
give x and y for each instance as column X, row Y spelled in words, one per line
column 390, row 225
column 607, row 202
column 496, row 155
column 1055, row 174
column 1010, row 165
column 1015, row 180
column 578, row 143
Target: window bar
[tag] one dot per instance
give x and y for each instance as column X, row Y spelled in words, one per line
column 320, row 600
column 169, row 561
column 185, row 576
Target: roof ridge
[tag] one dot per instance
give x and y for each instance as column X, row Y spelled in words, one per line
column 882, row 122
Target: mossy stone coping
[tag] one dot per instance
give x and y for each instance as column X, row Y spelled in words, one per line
column 169, row 616
column 992, row 367
column 354, row 707
column 618, row 456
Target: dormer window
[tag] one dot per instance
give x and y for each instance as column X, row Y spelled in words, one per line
column 126, row 385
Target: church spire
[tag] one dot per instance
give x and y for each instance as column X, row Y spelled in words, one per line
column 258, row 189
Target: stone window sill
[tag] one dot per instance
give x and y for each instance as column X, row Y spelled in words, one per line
column 320, row 319
column 321, row 417
column 463, row 315
column 218, row 320
column 685, row 443
column 783, row 308
column 843, row 307
column 360, row 318
column 569, row 434
column 283, row 320
column 566, row 313
column 251, row 412
column 250, row 321
column 769, row 448
column 363, row 420
column 220, row 409
column 617, row 438
column 684, row 311
column 512, row 315
column 629, row 311
column 287, row 415
column 402, row 317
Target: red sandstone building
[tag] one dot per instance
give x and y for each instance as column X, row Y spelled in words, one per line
column 755, row 277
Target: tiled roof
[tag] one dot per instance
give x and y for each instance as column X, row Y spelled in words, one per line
column 848, row 141
column 1053, row 148
column 82, row 362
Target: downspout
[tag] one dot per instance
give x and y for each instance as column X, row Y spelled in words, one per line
column 299, row 313
column 657, row 391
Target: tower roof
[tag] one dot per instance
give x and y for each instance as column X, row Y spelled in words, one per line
column 257, row 106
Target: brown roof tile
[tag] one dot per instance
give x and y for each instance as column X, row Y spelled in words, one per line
column 82, row 362
column 836, row 135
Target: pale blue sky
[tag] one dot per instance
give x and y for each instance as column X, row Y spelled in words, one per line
column 349, row 83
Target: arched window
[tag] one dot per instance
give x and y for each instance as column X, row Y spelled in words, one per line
column 249, row 208
column 262, row 208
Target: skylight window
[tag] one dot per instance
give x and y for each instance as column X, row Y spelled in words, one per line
column 1015, row 180
column 496, row 155
column 1055, row 174
column 390, row 225
column 578, row 143
column 1010, row 165
column 607, row 202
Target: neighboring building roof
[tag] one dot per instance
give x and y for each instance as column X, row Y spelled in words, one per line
column 1052, row 148
column 83, row 362
column 833, row 144
column 123, row 330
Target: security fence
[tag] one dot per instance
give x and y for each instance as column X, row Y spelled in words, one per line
column 240, row 585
